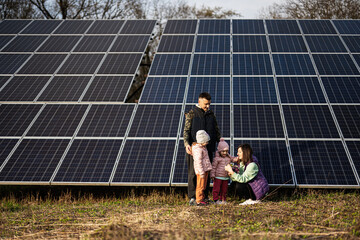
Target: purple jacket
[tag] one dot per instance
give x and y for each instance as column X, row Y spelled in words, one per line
column 258, row 184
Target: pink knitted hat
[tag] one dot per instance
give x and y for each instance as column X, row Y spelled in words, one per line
column 222, row 145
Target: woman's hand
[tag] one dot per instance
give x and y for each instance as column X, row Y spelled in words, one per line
column 228, row 168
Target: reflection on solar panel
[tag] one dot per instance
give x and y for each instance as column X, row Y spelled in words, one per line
column 331, row 64
column 255, row 64
column 218, row 87
column 321, row 163
column 176, row 43
column 342, row 89
column 348, row 118
column 250, row 44
column 286, row 43
column 254, row 90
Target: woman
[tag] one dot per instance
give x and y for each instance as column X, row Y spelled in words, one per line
column 250, row 182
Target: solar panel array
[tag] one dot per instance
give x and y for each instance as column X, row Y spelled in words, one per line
column 290, row 88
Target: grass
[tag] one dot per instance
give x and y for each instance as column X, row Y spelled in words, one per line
column 146, row 213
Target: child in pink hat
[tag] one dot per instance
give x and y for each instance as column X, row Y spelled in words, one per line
column 218, row 174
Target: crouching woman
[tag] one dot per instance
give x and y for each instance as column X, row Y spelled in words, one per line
column 250, row 182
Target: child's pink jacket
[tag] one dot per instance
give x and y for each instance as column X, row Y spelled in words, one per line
column 201, row 159
column 218, row 165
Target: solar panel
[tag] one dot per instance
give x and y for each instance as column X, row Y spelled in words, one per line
column 309, row 121
column 34, row 160
column 254, row 90
column 250, row 44
column 108, row 89
column 138, row 27
column 24, row 44
column 335, row 64
column 23, row 88
column 280, row 43
column 347, row 26
column 81, row 64
column 3, row 80
column 106, row 121
column 41, row 27
column 342, row 89
column 156, row 121
column 120, row 64
column 357, row 59
column 317, row 27
column 42, row 64
column 293, row 64
column 257, row 121
column 94, row 44
column 89, row 161
column 64, row 88
column 73, row 27
column 170, row 64
column 282, row 27
column 329, row 164
column 180, row 175
column 58, row 120
column 252, row 64
column 6, row 146
column 5, row 40
column 353, row 43
column 180, row 26
column 105, row 27
column 300, row 90
column 248, row 27
column 16, row 118
column 211, row 64
column 11, row 62
column 348, row 118
column 354, row 150
column 176, row 43
column 156, row 155
column 218, row 26
column 13, row 26
column 59, row 44
column 164, row 90
column 273, row 158
column 205, row 43
column 130, row 44
column 218, row 87
column 325, row 44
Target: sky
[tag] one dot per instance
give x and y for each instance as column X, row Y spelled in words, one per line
column 248, row 8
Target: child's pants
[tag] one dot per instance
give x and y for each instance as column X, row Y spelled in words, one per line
column 220, row 189
column 200, row 187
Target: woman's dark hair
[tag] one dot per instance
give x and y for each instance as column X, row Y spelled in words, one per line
column 247, row 153
column 205, row 95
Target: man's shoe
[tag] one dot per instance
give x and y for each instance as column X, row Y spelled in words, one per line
column 192, row 202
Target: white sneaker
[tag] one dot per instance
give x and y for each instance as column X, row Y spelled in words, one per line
column 223, row 202
column 249, row 202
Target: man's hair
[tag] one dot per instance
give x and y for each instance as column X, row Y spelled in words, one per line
column 205, row 95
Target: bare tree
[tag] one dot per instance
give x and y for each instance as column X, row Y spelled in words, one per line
column 10, row 9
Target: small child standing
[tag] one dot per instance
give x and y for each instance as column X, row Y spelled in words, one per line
column 202, row 164
column 218, row 174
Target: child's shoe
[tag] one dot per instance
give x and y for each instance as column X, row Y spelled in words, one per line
column 217, row 202
column 202, row 203
column 223, row 202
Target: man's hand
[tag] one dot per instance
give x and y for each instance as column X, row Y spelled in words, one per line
column 188, row 149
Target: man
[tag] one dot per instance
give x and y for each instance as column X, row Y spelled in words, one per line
column 199, row 118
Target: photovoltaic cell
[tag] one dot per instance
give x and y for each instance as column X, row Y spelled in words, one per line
column 73, row 27
column 58, row 120
column 130, row 44
column 106, row 121
column 42, row 64
column 180, row 27
column 63, row 88
column 164, row 90
column 218, row 26
column 205, row 43
column 218, row 87
column 348, row 117
column 293, row 64
column 273, row 158
column 16, row 118
column 257, row 121
column 41, row 27
column 321, row 163
column 347, row 26
column 12, row 26
column 6, row 146
column 282, row 27
column 108, row 89
column 300, row 90
column 3, row 80
column 11, row 62
column 248, row 27
column 252, row 64
column 156, row 121
column 94, row 44
column 342, row 89
column 211, row 64
column 34, row 160
column 176, row 43
column 317, row 27
column 354, row 149
column 120, row 64
column 4, row 40
column 105, row 27
column 24, row 44
column 181, row 167
column 250, row 44
column 23, row 88
column 170, row 64
column 145, row 161
column 81, row 64
column 254, row 90
column 353, row 43
column 59, row 44
column 138, row 27
column 335, row 64
column 325, row 44
column 89, row 161
column 309, row 121
column 281, row 43
column 357, row 59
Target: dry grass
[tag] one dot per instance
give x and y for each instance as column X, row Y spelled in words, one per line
column 165, row 214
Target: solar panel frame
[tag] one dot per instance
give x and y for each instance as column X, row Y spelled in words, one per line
column 3, row 80
column 6, row 147
column 5, row 40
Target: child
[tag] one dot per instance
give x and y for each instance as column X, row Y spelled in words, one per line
column 202, row 165
column 218, row 174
